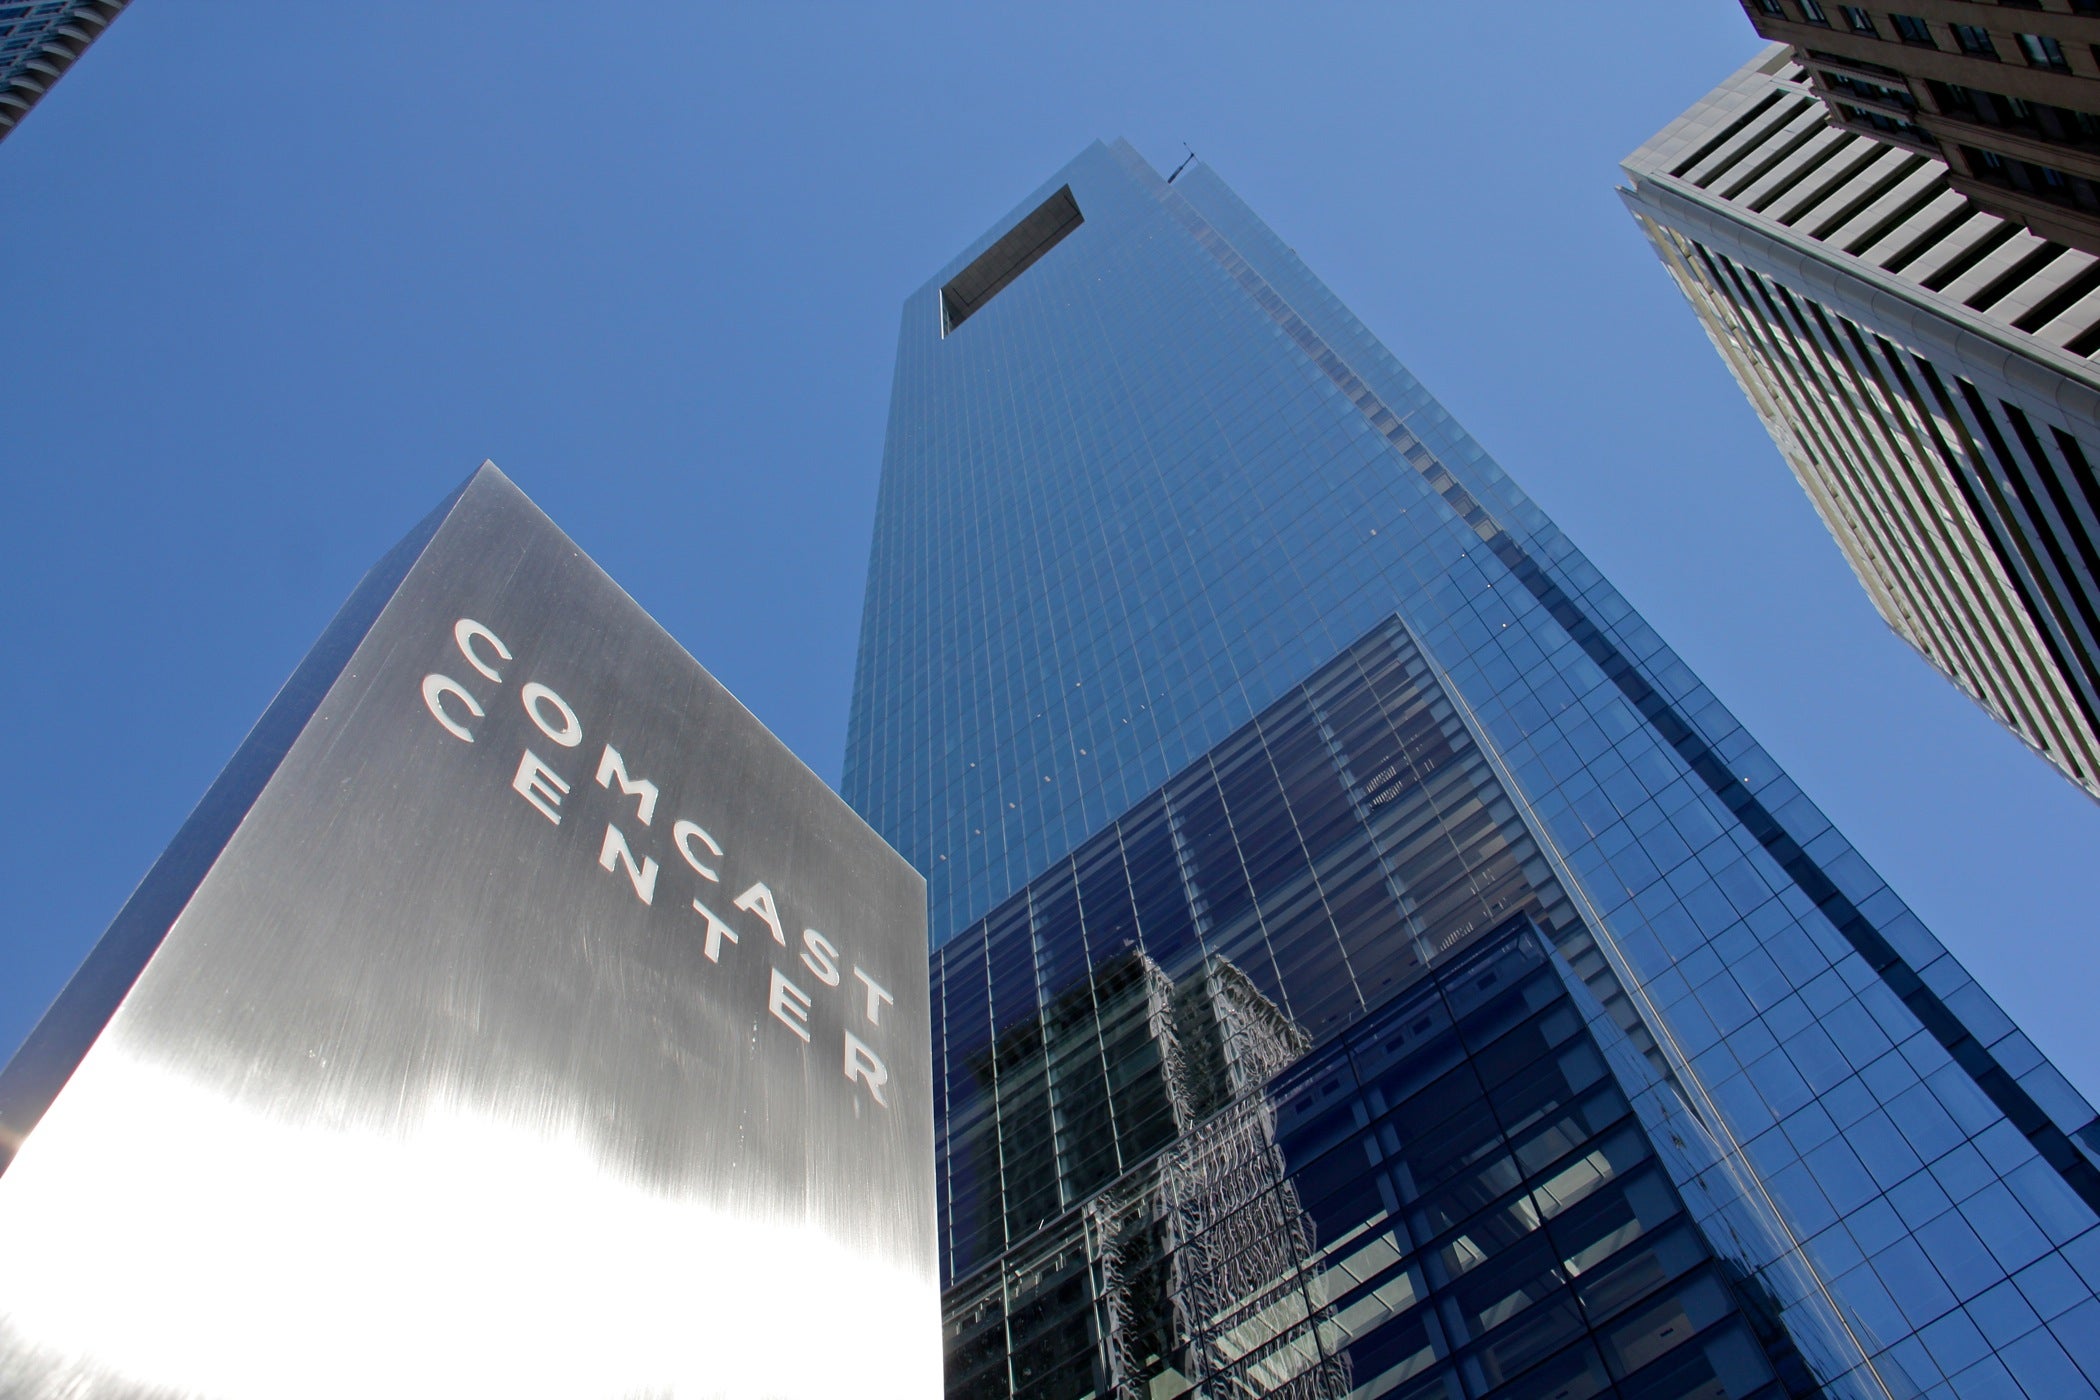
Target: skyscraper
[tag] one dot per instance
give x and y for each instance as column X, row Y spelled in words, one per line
column 1254, row 732
column 1926, row 370
column 2007, row 96
column 39, row 41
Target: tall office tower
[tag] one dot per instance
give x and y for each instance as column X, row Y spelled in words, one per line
column 2008, row 96
column 1280, row 772
column 1926, row 370
column 39, row 42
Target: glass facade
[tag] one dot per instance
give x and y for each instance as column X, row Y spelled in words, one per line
column 1455, row 1197
column 1272, row 1087
column 1229, row 696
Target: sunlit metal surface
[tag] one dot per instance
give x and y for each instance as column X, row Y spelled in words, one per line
column 517, row 1018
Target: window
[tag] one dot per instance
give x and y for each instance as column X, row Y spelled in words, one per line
column 1860, row 21
column 1974, row 40
column 1953, row 97
column 1771, row 7
column 1812, row 11
column 2041, row 181
column 1912, row 30
column 1857, row 65
column 2043, row 52
column 1872, row 92
column 1888, row 125
column 2059, row 125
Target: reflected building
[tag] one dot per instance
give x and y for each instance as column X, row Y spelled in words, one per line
column 1367, row 962
column 1157, row 1181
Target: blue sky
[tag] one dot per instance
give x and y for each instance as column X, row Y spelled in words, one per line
column 275, row 278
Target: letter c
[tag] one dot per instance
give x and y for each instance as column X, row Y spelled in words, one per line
column 685, row 833
column 464, row 632
column 435, row 689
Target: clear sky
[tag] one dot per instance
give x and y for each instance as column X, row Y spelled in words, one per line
column 274, row 278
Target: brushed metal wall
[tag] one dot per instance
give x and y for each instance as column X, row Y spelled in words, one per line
column 516, row 1017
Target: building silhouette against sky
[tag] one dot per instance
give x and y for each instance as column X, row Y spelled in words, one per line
column 1926, row 369
column 1228, row 694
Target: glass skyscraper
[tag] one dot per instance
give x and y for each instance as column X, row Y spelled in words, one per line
column 1367, row 961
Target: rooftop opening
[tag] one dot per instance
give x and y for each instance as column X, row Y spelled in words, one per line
column 1013, row 254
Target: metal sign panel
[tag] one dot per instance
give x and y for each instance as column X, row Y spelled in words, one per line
column 516, row 1017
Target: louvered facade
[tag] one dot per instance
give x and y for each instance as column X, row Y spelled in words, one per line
column 39, row 40
column 1927, row 370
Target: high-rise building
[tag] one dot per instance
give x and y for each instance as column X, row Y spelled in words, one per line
column 2007, row 95
column 39, row 40
column 1926, row 369
column 1280, row 772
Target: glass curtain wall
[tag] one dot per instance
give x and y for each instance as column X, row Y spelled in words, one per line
column 1157, row 477
column 1181, row 1153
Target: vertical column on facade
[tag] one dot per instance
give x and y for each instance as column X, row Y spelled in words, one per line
column 2041, row 680
column 1828, row 449
column 2023, row 636
column 1967, row 422
column 2040, row 721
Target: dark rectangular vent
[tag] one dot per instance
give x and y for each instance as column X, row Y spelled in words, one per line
column 1014, row 253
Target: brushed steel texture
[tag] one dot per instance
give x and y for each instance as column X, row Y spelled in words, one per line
column 387, row 1083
